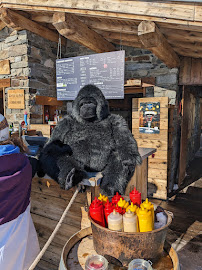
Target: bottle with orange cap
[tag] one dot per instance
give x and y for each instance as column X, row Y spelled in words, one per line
column 145, row 219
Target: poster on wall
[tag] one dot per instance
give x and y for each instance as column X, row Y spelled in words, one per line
column 149, row 117
column 105, row 70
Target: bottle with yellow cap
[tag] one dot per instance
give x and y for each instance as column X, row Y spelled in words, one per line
column 103, row 198
column 132, row 207
column 149, row 206
column 122, row 203
column 129, row 222
column 145, row 220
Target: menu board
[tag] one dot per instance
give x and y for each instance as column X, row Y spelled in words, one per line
column 105, row 70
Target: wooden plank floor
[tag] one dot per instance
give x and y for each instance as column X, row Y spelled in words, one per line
column 49, row 203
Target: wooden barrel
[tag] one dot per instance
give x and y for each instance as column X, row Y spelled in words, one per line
column 121, row 246
column 88, row 231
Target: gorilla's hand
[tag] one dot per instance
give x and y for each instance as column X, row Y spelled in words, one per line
column 70, row 172
column 57, row 148
column 73, row 178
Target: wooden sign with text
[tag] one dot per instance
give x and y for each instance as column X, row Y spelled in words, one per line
column 16, row 99
column 5, row 83
column 5, row 67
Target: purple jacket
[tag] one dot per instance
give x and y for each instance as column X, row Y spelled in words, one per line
column 15, row 186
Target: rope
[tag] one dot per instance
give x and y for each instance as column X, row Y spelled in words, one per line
column 55, row 230
column 59, row 49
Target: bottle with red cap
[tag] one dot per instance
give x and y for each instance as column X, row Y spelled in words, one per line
column 116, row 198
column 108, row 208
column 96, row 211
column 135, row 197
column 120, row 210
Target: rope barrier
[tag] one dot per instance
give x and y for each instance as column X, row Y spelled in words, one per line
column 39, row 256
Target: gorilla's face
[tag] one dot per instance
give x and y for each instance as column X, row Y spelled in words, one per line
column 87, row 109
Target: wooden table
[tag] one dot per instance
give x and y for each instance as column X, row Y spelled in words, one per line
column 140, row 177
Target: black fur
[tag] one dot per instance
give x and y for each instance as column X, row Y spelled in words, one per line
column 102, row 144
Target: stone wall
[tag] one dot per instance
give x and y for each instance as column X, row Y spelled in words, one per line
column 14, row 47
column 140, row 64
column 32, row 63
column 42, row 55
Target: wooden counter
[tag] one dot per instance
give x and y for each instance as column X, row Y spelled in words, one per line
column 140, row 177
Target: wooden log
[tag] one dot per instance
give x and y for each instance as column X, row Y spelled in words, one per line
column 71, row 27
column 137, row 12
column 110, row 25
column 126, row 43
column 120, row 36
column 153, row 40
column 2, row 25
column 14, row 20
column 164, row 10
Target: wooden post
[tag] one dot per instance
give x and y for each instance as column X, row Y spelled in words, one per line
column 4, row 101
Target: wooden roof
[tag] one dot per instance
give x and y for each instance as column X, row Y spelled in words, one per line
column 169, row 29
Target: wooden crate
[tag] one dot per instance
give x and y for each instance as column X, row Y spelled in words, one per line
column 157, row 165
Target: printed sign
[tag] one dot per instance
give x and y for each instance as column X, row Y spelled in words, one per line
column 105, row 70
column 149, row 117
column 16, row 99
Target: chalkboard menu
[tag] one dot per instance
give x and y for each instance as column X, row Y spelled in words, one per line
column 105, row 70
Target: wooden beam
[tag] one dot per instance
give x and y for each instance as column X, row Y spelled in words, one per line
column 165, row 14
column 110, row 25
column 71, row 27
column 188, row 52
column 14, row 20
column 153, row 40
column 42, row 18
column 162, row 9
column 181, row 35
column 119, row 36
column 2, row 25
column 126, row 43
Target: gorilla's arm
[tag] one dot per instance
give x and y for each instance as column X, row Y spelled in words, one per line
column 56, row 157
column 124, row 141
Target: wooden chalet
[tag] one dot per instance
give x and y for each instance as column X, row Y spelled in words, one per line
column 170, row 32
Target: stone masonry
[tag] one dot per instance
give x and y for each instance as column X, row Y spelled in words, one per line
column 32, row 63
column 140, row 63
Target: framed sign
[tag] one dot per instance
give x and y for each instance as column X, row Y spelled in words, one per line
column 16, row 99
column 105, row 70
column 5, row 67
column 149, row 117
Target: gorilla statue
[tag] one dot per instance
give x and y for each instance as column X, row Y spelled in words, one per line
column 91, row 140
